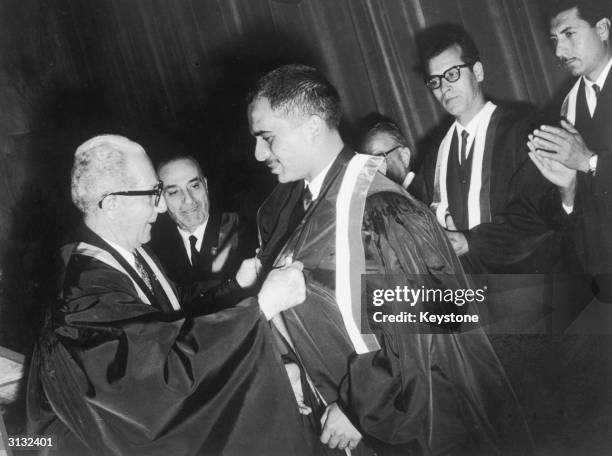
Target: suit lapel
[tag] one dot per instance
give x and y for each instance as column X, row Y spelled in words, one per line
column 209, row 242
column 321, row 215
column 602, row 116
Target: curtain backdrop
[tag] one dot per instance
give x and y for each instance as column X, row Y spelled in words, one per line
column 173, row 75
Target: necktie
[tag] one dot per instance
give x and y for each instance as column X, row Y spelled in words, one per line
column 194, row 252
column 464, row 139
column 142, row 272
column 306, row 198
column 597, row 91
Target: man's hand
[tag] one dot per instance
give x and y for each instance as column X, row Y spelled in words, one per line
column 562, row 144
column 457, row 240
column 557, row 173
column 283, row 288
column 293, row 372
column 248, row 272
column 338, row 431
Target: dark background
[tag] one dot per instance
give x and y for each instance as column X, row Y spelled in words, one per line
column 173, row 74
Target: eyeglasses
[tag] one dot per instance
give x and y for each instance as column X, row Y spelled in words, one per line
column 393, row 149
column 453, row 74
column 156, row 191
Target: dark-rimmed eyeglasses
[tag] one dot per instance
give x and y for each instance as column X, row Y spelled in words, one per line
column 155, row 191
column 393, row 149
column 434, row 81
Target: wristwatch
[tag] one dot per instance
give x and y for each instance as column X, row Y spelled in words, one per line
column 592, row 164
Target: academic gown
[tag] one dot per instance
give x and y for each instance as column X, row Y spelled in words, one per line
column 420, row 393
column 112, row 375
column 522, row 229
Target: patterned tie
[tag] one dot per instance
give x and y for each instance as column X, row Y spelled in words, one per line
column 306, row 198
column 142, row 272
column 194, row 252
column 464, row 139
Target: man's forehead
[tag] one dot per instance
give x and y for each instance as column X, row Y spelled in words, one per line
column 179, row 171
column 380, row 142
column 564, row 19
column 141, row 169
column 449, row 57
column 263, row 118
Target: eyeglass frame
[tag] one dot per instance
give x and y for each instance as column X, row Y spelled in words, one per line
column 390, row 151
column 439, row 77
column 156, row 191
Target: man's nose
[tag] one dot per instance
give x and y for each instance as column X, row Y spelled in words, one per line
column 262, row 150
column 560, row 48
column 187, row 198
column 161, row 206
column 445, row 85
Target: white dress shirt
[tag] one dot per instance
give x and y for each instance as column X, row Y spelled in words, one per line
column 198, row 233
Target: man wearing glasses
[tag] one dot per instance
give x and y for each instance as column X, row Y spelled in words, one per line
column 479, row 161
column 126, row 364
column 385, row 139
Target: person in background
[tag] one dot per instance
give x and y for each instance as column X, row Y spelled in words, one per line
column 385, row 139
column 193, row 242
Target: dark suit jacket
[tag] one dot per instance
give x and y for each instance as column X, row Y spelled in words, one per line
column 219, row 254
column 593, row 204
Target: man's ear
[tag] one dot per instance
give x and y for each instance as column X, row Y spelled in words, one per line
column 478, row 71
column 109, row 204
column 315, row 125
column 603, row 28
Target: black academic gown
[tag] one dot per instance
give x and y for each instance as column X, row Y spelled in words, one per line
column 522, row 229
column 420, row 393
column 112, row 375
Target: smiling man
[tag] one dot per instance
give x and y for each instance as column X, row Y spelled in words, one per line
column 193, row 242
column 126, row 364
column 341, row 218
column 478, row 166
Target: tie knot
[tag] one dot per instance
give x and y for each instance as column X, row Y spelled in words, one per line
column 306, row 198
column 597, row 90
column 465, row 135
column 193, row 240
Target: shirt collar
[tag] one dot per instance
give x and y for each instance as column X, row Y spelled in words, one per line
column 127, row 255
column 472, row 126
column 198, row 233
column 315, row 185
column 601, row 79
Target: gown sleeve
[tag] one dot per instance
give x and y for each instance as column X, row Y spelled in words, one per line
column 431, row 387
column 127, row 379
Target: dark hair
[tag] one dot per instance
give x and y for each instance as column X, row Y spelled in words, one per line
column 437, row 39
column 299, row 90
column 386, row 127
column 591, row 11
